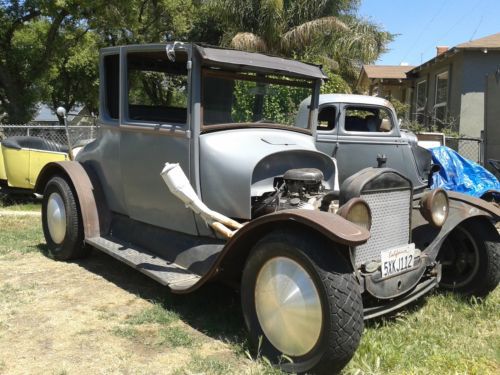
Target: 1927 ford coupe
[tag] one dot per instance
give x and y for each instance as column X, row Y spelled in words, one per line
column 244, row 196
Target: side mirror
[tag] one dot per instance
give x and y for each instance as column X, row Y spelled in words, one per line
column 435, row 168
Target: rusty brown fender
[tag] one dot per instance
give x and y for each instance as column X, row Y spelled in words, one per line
column 335, row 227
column 83, row 187
column 462, row 207
column 476, row 202
column 233, row 256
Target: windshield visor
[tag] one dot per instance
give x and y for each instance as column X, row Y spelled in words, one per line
column 252, row 99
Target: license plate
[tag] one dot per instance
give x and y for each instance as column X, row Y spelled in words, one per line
column 397, row 260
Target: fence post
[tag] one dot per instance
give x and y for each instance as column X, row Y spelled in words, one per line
column 481, row 148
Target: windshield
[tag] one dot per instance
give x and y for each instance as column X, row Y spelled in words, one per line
column 252, row 99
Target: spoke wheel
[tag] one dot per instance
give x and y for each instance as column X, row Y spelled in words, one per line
column 460, row 260
column 470, row 257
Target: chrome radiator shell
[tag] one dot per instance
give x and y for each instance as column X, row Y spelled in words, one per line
column 391, row 212
column 389, row 195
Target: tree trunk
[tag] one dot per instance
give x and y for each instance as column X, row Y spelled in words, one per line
column 19, row 104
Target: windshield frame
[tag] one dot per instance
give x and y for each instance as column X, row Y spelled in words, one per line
column 311, row 84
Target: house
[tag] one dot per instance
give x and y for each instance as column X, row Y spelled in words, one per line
column 46, row 116
column 449, row 89
column 386, row 81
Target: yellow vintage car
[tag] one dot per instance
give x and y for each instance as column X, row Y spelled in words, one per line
column 22, row 159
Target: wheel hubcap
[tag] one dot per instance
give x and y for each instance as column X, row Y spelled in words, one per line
column 288, row 306
column 56, row 218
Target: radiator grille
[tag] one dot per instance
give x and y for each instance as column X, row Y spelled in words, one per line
column 390, row 224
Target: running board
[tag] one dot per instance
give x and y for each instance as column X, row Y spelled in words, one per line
column 421, row 289
column 166, row 273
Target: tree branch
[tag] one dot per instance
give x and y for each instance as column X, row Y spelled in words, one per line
column 49, row 43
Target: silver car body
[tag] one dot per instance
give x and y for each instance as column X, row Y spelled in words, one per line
column 225, row 167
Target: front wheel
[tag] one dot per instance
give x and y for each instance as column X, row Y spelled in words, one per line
column 61, row 221
column 302, row 304
column 470, row 257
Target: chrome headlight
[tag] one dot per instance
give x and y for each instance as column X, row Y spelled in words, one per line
column 357, row 211
column 434, row 207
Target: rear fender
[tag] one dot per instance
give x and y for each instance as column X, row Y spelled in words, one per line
column 88, row 192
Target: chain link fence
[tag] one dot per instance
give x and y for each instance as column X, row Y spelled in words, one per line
column 54, row 133
column 469, row 148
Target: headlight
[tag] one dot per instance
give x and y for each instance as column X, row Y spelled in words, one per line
column 357, row 211
column 434, row 207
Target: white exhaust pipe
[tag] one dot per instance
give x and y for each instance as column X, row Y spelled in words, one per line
column 179, row 185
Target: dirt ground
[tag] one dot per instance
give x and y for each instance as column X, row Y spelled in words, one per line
column 99, row 316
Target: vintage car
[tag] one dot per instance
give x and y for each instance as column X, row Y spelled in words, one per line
column 198, row 173
column 23, row 157
column 361, row 131
column 357, row 129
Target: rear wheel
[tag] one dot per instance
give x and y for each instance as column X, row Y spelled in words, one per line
column 61, row 221
column 470, row 257
column 302, row 304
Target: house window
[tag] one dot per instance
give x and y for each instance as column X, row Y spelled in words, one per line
column 441, row 103
column 421, row 101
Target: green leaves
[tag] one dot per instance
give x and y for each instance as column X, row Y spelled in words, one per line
column 326, row 29
column 49, row 48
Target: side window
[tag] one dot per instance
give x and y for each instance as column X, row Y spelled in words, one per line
column 112, row 81
column 368, row 119
column 441, row 99
column 157, row 88
column 421, row 100
column 326, row 118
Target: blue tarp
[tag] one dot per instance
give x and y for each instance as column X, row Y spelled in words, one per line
column 460, row 174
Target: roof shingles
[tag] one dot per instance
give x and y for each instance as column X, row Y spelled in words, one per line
column 490, row 41
column 387, row 71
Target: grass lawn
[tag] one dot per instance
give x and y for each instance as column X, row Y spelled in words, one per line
column 99, row 316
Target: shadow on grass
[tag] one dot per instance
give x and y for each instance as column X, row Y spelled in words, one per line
column 394, row 316
column 415, row 306
column 214, row 309
column 44, row 249
column 7, row 200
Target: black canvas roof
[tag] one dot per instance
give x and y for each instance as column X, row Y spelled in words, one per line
column 258, row 62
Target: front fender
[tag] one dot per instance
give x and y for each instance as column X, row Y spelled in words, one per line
column 333, row 228
column 462, row 207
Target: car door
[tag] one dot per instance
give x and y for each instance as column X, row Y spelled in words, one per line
column 154, row 129
column 364, row 132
